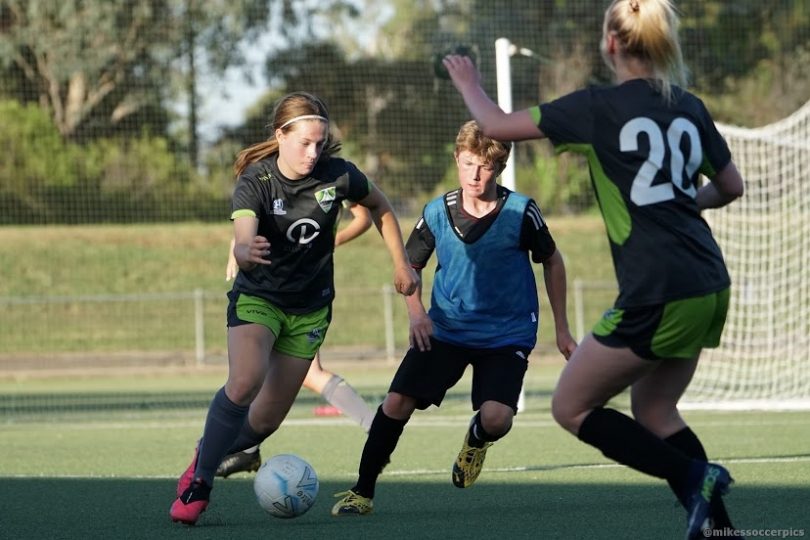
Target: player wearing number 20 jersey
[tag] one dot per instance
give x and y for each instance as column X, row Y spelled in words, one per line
column 646, row 141
column 299, row 218
column 645, row 156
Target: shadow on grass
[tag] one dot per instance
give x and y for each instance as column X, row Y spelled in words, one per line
column 138, row 508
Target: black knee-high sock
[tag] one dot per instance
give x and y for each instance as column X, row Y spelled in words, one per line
column 687, row 442
column 383, row 437
column 247, row 438
column 622, row 439
column 224, row 420
column 478, row 435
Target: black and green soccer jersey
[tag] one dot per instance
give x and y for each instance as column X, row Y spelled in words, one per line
column 645, row 157
column 298, row 217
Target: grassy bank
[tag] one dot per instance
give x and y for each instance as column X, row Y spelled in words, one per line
column 112, row 288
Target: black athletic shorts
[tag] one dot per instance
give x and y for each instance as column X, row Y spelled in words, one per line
column 497, row 373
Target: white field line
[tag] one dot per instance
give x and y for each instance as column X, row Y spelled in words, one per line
column 583, row 466
column 425, row 422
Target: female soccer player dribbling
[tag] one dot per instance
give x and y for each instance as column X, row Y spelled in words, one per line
column 332, row 387
column 646, row 140
column 285, row 206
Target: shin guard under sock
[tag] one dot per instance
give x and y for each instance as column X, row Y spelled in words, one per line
column 622, row 439
column 246, row 439
column 383, row 437
column 224, row 420
column 687, row 442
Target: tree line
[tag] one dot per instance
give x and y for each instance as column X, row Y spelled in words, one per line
column 91, row 90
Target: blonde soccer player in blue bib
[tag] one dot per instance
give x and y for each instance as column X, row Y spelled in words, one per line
column 484, row 313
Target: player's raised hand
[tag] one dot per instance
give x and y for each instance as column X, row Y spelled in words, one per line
column 462, row 71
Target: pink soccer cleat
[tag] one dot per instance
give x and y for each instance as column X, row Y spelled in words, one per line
column 194, row 500
column 188, row 475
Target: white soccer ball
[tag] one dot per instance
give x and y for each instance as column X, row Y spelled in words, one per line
column 286, row 486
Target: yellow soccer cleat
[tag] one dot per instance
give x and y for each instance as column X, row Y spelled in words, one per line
column 352, row 504
column 469, row 463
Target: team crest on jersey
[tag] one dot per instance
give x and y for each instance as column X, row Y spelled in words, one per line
column 325, row 198
column 278, row 207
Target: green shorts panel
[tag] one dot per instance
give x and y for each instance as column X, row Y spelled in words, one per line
column 677, row 329
column 689, row 325
column 296, row 335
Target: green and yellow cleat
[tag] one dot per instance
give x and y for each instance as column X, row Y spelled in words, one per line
column 352, row 504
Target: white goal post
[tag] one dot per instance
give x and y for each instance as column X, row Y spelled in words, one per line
column 763, row 361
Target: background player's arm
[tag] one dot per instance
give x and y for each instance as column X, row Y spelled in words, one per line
column 556, row 289
column 405, row 278
column 536, row 238
column 726, row 186
column 231, row 268
column 360, row 223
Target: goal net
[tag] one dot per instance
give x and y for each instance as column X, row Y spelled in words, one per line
column 764, row 359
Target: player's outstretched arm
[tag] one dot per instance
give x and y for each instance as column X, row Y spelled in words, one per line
column 405, row 278
column 494, row 122
column 556, row 289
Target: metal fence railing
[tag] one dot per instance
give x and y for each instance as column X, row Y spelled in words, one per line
column 187, row 326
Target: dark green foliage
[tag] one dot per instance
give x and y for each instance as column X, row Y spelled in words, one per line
column 118, row 90
column 47, row 179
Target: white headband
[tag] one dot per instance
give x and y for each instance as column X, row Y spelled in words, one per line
column 303, row 117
